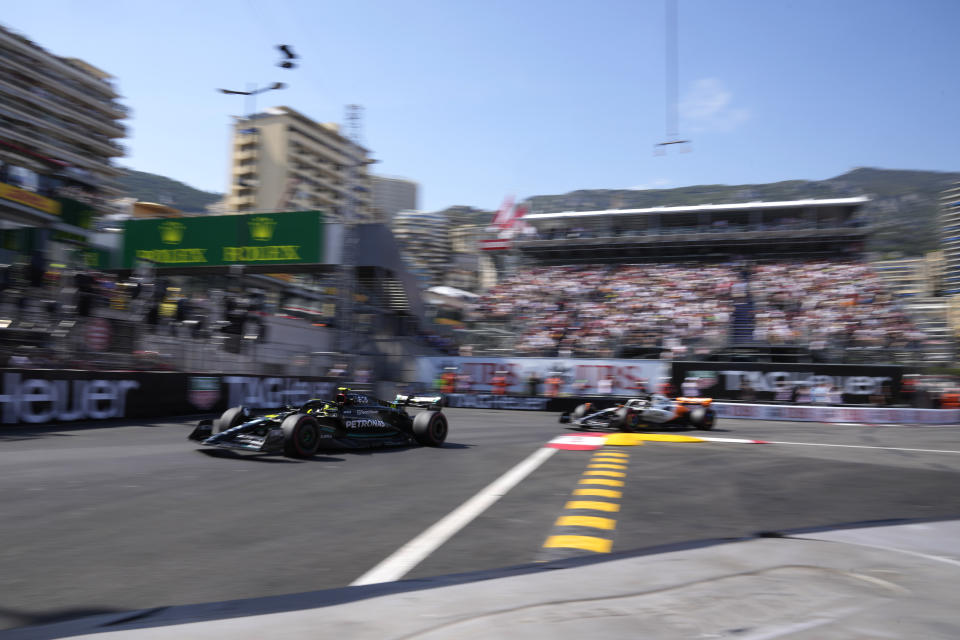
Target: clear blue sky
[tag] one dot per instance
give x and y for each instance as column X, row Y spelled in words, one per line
column 475, row 100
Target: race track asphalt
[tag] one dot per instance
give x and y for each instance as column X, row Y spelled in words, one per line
column 107, row 517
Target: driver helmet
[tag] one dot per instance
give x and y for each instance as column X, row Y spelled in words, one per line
column 342, row 397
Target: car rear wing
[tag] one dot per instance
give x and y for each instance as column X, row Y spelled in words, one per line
column 432, row 402
column 701, row 401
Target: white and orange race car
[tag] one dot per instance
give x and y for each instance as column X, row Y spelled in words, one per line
column 649, row 412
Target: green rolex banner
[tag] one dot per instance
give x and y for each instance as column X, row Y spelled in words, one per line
column 292, row 237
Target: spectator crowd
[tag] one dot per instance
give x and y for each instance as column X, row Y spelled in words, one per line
column 683, row 310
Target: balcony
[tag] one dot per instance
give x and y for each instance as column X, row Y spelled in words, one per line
column 67, row 89
column 323, row 151
column 47, row 102
column 59, row 150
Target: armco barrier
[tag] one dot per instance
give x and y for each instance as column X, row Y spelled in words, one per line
column 794, row 413
column 809, row 413
column 38, row 396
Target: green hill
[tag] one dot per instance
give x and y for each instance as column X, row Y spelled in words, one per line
column 904, row 204
column 150, row 187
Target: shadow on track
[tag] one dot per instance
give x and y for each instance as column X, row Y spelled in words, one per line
column 271, row 458
column 399, row 448
column 28, row 618
column 684, row 431
column 319, row 457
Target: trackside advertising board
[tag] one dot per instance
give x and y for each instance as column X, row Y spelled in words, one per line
column 863, row 415
column 293, row 237
column 763, row 380
column 577, row 376
column 39, row 396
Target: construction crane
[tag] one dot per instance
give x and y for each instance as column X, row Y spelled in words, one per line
column 670, row 75
column 347, row 280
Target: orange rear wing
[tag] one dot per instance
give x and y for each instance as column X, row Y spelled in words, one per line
column 701, row 401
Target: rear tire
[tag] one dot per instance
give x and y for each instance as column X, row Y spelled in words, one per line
column 702, row 418
column 301, row 435
column 230, row 418
column 579, row 412
column 430, row 428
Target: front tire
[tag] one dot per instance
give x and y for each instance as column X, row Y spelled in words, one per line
column 232, row 417
column 301, row 435
column 430, row 428
column 580, row 411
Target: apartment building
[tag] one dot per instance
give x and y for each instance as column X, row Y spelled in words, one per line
column 424, row 239
column 393, row 195
column 912, row 277
column 284, row 161
column 59, row 125
column 950, row 238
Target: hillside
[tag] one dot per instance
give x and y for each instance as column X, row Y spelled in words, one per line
column 151, row 187
column 904, row 204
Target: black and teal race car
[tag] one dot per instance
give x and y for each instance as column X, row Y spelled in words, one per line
column 352, row 420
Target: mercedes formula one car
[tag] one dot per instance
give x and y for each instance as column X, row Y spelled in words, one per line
column 649, row 412
column 350, row 421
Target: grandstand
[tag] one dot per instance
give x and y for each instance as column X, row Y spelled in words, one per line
column 780, row 281
column 797, row 228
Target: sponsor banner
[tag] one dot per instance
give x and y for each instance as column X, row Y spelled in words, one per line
column 36, row 397
column 259, row 392
column 293, row 237
column 495, row 245
column 29, row 198
column 771, row 381
column 204, row 392
column 811, row 413
column 39, row 396
column 486, row 401
column 97, row 334
column 571, row 376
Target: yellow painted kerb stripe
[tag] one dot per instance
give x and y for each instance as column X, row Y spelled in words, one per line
column 629, row 439
column 594, row 505
column 587, row 521
column 603, row 493
column 612, row 454
column 587, row 543
column 622, row 440
column 606, row 466
column 612, row 474
column 604, row 481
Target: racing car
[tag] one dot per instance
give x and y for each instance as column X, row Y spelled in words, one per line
column 653, row 411
column 350, row 421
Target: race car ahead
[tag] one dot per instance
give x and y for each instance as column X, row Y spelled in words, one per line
column 350, row 421
column 648, row 412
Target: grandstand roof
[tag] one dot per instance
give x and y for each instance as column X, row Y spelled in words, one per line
column 737, row 206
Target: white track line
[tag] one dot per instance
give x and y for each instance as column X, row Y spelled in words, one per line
column 740, row 440
column 862, row 446
column 404, row 559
